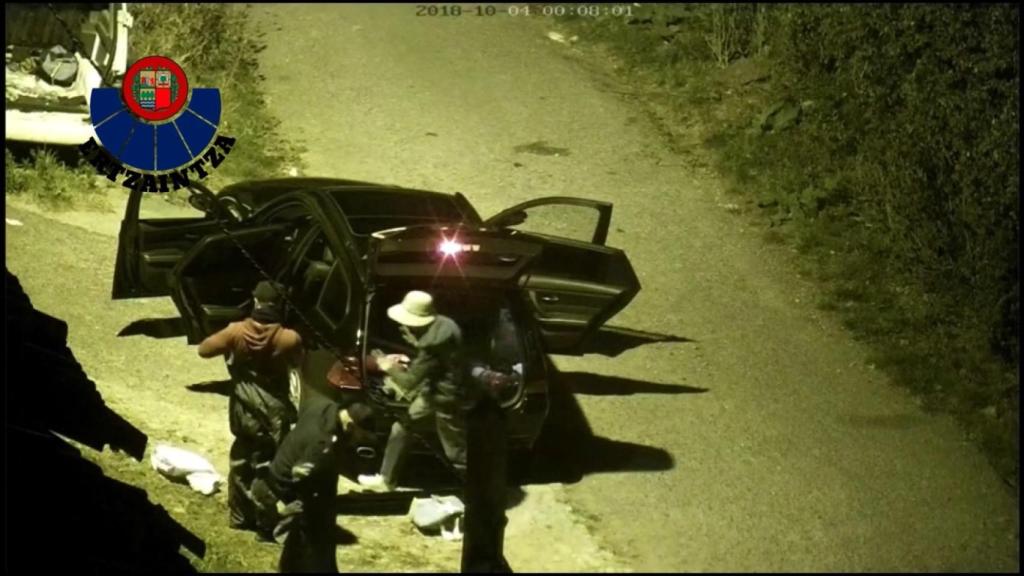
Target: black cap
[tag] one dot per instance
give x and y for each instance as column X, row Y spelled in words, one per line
column 359, row 412
column 268, row 292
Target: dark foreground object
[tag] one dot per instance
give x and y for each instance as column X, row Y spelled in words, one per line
column 483, row 545
column 64, row 515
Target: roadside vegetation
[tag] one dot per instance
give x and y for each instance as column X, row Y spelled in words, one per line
column 54, row 184
column 217, row 46
column 227, row 550
column 881, row 142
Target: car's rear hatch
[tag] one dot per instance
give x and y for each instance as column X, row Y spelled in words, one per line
column 449, row 255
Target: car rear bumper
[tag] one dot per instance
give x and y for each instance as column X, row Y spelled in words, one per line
column 62, row 128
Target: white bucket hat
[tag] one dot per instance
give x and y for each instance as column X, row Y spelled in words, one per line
column 416, row 310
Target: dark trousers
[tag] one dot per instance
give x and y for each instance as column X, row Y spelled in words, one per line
column 310, row 539
column 247, row 455
column 451, row 431
column 483, row 546
column 308, row 524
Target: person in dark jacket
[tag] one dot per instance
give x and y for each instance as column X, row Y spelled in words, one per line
column 296, row 498
column 435, row 380
column 259, row 352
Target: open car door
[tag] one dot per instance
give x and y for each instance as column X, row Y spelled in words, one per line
column 577, row 283
column 212, row 284
column 149, row 249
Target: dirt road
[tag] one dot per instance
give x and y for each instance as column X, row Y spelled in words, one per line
column 798, row 456
column 756, row 438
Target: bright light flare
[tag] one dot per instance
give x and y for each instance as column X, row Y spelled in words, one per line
column 449, row 247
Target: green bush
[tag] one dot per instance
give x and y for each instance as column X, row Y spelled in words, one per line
column 49, row 182
column 924, row 133
column 900, row 183
column 217, row 46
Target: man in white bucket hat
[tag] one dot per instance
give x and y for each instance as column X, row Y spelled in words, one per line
column 435, row 376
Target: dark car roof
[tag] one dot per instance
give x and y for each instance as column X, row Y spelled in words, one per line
column 367, row 206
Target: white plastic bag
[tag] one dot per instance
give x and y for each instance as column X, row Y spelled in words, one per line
column 180, row 464
column 455, row 534
column 438, row 514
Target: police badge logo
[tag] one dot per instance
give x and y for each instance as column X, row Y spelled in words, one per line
column 156, row 129
column 155, row 88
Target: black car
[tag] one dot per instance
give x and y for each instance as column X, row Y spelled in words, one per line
column 347, row 250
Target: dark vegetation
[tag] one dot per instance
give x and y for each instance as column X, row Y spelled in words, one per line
column 105, row 511
column 65, row 514
column 882, row 142
column 218, row 46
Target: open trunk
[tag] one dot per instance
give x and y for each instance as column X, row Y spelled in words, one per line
column 492, row 337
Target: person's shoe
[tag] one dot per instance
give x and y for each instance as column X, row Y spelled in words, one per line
column 375, row 482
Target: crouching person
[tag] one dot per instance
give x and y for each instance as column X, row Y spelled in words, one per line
column 296, row 498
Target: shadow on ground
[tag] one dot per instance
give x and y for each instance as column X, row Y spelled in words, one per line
column 612, row 340
column 430, row 480
column 343, row 537
column 568, row 449
column 598, row 385
column 222, row 387
column 155, row 328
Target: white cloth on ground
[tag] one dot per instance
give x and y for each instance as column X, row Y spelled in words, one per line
column 181, row 464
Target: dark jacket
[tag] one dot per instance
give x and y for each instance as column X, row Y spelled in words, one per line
column 259, row 357
column 309, row 446
column 303, row 475
column 437, row 371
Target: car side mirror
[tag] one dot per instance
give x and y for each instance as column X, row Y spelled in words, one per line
column 201, row 202
column 511, row 219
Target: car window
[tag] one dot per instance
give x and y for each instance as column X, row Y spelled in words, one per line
column 334, row 302
column 312, row 261
column 298, row 219
column 562, row 221
column 167, row 206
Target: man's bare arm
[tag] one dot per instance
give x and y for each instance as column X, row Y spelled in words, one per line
column 291, row 348
column 216, row 344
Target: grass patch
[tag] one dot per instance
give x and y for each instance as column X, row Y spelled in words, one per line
column 218, row 46
column 826, row 118
column 227, row 550
column 48, row 181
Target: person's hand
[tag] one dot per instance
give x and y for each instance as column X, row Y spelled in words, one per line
column 498, row 382
column 386, row 363
column 391, row 361
column 400, row 359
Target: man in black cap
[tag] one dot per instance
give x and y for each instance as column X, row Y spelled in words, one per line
column 296, row 498
column 260, row 354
